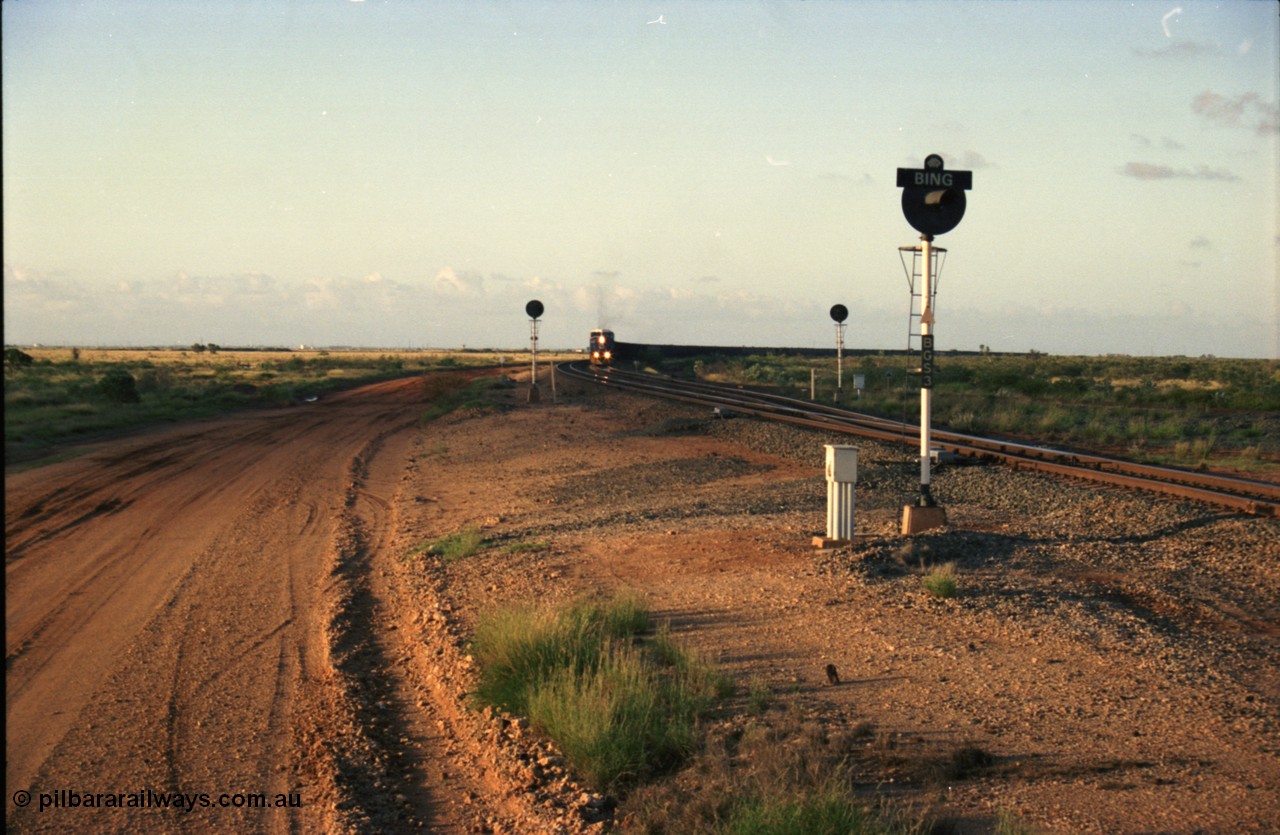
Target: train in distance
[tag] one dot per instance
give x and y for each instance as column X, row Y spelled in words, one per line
column 600, row 347
column 604, row 349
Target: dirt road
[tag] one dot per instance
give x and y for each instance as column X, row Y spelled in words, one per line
column 170, row 601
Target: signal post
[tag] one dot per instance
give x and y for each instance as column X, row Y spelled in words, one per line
column 534, row 310
column 838, row 314
column 933, row 202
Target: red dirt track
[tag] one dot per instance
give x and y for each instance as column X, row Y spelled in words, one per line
column 167, row 601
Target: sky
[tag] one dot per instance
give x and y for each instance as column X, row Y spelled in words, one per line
column 398, row 174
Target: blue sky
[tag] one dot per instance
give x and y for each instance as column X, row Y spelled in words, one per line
column 402, row 174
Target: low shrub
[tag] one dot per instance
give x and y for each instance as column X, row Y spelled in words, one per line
column 119, row 387
column 457, row 546
column 759, row 697
column 619, row 706
column 941, row 581
column 829, row 809
column 453, row 392
column 1009, row 822
column 16, row 358
column 781, row 774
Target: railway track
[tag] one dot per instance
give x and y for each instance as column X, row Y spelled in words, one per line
column 1253, row 496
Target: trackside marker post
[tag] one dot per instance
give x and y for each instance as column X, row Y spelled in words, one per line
column 933, row 202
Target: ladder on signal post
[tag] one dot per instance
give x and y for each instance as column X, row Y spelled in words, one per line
column 915, row 282
column 913, row 360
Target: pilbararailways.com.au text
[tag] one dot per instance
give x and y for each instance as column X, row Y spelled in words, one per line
column 148, row 799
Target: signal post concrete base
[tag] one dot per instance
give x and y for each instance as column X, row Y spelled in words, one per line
column 918, row 519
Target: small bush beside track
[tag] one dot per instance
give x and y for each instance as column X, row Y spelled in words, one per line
column 621, row 702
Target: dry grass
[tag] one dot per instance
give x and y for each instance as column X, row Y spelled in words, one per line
column 232, row 357
column 778, row 773
column 58, row 395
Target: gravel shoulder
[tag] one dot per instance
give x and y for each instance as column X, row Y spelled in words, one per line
column 1112, row 657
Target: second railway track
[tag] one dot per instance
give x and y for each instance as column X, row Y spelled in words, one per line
column 1253, row 496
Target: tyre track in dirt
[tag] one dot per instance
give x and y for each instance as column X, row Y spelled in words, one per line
column 396, row 748
column 171, row 601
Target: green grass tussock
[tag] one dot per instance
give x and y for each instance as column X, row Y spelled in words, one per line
column 941, row 581
column 1009, row 822
column 619, row 703
column 829, row 811
column 453, row 392
column 778, row 775
column 455, row 546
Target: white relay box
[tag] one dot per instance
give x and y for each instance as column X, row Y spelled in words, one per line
column 842, row 463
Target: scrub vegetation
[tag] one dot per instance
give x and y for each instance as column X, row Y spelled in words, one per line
column 941, row 581
column 639, row 715
column 450, row 393
column 1188, row 411
column 779, row 773
column 622, row 701
column 456, row 546
column 55, row 395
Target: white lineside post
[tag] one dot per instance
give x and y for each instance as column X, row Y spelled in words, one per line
column 842, row 474
column 926, row 384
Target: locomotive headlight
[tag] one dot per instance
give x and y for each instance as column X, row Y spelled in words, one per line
column 608, row 355
column 600, row 339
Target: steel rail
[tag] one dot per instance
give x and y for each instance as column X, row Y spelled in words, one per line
column 1248, row 495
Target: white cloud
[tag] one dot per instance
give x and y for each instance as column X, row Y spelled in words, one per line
column 450, row 283
column 319, row 294
column 973, row 160
column 1150, row 171
column 1242, row 111
column 1179, row 51
column 541, row 284
column 376, row 310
